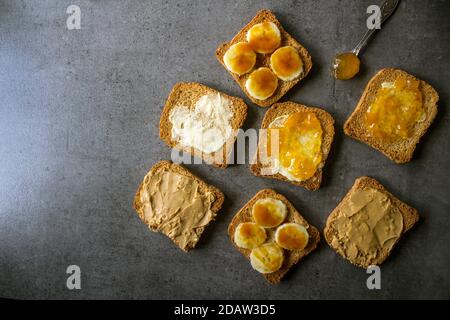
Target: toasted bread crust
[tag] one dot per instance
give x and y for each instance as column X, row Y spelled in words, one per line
column 264, row 60
column 187, row 94
column 290, row 257
column 203, row 187
column 400, row 151
column 327, row 123
column 409, row 214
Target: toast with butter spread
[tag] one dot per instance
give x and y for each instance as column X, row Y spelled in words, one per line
column 201, row 121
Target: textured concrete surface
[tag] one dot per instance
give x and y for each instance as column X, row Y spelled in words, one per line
column 79, row 114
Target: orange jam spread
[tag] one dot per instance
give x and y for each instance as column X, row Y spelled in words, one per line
column 299, row 145
column 346, row 66
column 291, row 238
column 396, row 109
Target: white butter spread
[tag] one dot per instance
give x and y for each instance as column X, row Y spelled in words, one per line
column 206, row 127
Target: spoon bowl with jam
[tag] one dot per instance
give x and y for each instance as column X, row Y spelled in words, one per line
column 346, row 65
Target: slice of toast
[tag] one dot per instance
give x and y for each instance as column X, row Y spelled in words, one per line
column 187, row 94
column 203, row 188
column 409, row 214
column 264, row 60
column 290, row 257
column 287, row 108
column 399, row 151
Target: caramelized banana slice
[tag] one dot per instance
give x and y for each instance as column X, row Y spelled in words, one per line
column 269, row 212
column 286, row 63
column 249, row 235
column 264, row 37
column 240, row 58
column 292, row 236
column 262, row 83
column 267, row 258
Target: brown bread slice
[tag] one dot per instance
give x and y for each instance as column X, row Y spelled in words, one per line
column 203, row 187
column 327, row 123
column 187, row 94
column 409, row 214
column 290, row 257
column 264, row 60
column 399, row 151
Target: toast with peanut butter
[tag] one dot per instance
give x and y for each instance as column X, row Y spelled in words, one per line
column 173, row 201
column 368, row 223
column 394, row 112
column 321, row 122
column 290, row 256
column 266, row 60
column 200, row 121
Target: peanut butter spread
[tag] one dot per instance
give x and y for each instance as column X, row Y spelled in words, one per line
column 173, row 204
column 366, row 227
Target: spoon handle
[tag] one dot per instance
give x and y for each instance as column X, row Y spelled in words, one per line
column 387, row 8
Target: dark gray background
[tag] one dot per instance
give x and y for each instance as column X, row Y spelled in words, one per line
column 79, row 114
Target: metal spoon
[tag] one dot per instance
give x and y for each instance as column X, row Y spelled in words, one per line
column 346, row 65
